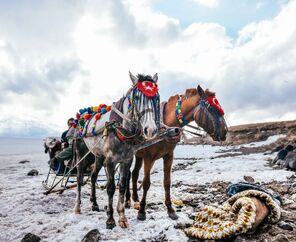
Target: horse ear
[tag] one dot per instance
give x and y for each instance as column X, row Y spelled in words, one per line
column 155, row 77
column 200, row 91
column 133, row 78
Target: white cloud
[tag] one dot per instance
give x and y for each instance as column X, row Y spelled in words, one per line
column 254, row 75
column 208, row 3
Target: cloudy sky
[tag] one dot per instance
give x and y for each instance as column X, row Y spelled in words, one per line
column 58, row 56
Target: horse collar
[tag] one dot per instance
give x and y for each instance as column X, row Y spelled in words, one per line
column 179, row 116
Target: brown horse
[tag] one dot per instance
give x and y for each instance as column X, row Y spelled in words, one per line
column 178, row 111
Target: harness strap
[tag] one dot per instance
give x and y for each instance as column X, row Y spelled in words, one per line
column 120, row 114
column 179, row 116
column 124, row 136
column 148, row 110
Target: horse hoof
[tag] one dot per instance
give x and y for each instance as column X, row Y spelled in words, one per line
column 123, row 224
column 141, row 216
column 137, row 205
column 95, row 208
column 77, row 211
column 128, row 204
column 173, row 216
column 110, row 225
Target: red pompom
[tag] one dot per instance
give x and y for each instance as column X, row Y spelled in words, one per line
column 108, row 108
column 77, row 115
column 103, row 105
column 213, row 101
column 98, row 116
column 87, row 116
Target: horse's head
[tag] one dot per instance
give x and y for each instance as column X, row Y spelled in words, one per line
column 209, row 115
column 51, row 146
column 143, row 104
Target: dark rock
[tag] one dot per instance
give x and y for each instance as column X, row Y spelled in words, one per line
column 92, row 236
column 281, row 155
column 24, row 161
column 285, row 226
column 33, row 172
column 289, row 147
column 249, row 179
column 280, row 238
column 292, row 177
column 31, row 238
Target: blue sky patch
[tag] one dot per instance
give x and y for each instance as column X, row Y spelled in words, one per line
column 232, row 14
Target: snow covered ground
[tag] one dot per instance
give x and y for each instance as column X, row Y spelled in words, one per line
column 24, row 208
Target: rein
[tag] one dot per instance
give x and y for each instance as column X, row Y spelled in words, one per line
column 120, row 114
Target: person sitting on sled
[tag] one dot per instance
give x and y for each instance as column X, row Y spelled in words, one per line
column 67, row 141
column 64, row 139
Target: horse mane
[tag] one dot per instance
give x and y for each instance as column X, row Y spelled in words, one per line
column 209, row 93
column 142, row 78
column 190, row 93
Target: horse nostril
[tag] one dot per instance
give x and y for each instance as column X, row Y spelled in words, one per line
column 146, row 131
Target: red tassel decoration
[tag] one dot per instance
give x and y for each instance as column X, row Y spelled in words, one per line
column 87, row 116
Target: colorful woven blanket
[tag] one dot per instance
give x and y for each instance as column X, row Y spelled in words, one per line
column 236, row 216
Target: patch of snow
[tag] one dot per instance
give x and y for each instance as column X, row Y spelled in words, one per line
column 25, row 209
column 269, row 141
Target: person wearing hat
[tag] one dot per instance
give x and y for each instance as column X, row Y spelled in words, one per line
column 67, row 142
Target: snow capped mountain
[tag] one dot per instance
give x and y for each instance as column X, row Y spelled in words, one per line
column 26, row 128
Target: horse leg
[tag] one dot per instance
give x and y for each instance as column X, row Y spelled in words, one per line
column 148, row 164
column 124, row 172
column 128, row 192
column 94, row 176
column 135, row 176
column 110, row 223
column 77, row 209
column 167, row 166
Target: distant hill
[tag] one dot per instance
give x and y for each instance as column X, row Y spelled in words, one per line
column 247, row 133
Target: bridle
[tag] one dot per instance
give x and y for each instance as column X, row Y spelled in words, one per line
column 203, row 107
column 137, row 115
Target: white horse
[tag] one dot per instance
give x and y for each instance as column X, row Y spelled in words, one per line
column 138, row 120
